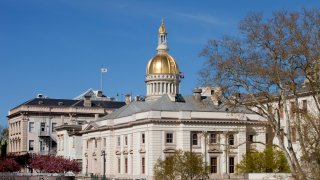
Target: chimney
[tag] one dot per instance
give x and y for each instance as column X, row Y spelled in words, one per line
column 99, row 94
column 216, row 96
column 128, row 99
column 87, row 101
column 197, row 94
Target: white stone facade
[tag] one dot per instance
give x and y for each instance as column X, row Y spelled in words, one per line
column 125, row 145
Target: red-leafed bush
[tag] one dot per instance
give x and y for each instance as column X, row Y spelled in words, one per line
column 9, row 165
column 54, row 164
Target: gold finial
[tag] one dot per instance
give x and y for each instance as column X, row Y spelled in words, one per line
column 162, row 29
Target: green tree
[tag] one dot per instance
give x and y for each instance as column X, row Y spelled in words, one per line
column 181, row 165
column 4, row 133
column 271, row 160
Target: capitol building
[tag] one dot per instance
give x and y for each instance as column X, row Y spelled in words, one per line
column 128, row 142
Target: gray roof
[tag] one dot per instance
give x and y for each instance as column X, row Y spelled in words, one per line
column 71, row 102
column 164, row 103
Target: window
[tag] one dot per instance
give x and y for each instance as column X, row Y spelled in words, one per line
column 126, row 165
column 31, row 126
column 31, row 145
column 143, row 165
column 231, row 164
column 53, row 125
column 213, row 164
column 42, row 146
column 250, row 138
column 126, row 140
column 169, row 138
column 143, row 138
column 231, row 139
column 118, row 141
column 119, row 165
column 104, row 142
column 87, row 144
column 95, row 143
column 304, row 105
column 194, row 139
column 213, row 138
column 43, row 127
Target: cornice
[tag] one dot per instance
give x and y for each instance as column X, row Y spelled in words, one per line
column 176, row 122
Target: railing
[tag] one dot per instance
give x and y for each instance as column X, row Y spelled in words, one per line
column 44, row 133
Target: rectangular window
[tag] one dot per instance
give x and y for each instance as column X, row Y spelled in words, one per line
column 43, row 127
column 231, row 164
column 143, row 165
column 119, row 165
column 87, row 144
column 118, row 141
column 95, row 143
column 194, row 139
column 42, row 146
column 31, row 145
column 126, row 165
column 213, row 138
column 169, row 138
column 53, row 125
column 104, row 142
column 143, row 138
column 250, row 138
column 126, row 140
column 213, row 164
column 305, row 105
column 231, row 139
column 31, row 126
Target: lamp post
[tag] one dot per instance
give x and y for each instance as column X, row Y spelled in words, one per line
column 103, row 153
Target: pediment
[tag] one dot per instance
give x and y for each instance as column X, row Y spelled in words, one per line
column 118, row 153
column 169, row 150
column 91, row 126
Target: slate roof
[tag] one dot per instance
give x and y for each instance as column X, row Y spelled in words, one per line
column 166, row 104
column 71, row 102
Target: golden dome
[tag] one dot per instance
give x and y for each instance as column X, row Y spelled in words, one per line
column 162, row 28
column 162, row 63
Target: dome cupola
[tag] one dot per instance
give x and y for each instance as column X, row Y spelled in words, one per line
column 162, row 73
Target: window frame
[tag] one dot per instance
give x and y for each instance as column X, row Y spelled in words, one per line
column 172, row 138
column 231, row 165
column 231, row 140
column 215, row 138
column 31, row 128
column 53, row 125
column 143, row 138
column 214, row 167
column 195, row 139
column 31, row 146
column 143, row 165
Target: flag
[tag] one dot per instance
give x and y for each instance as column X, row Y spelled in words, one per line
column 181, row 75
column 104, row 70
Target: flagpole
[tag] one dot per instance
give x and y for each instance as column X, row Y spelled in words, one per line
column 101, row 80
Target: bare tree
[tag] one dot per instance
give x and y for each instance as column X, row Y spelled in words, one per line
column 272, row 64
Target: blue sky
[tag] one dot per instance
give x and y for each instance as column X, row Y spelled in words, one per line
column 56, row 48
